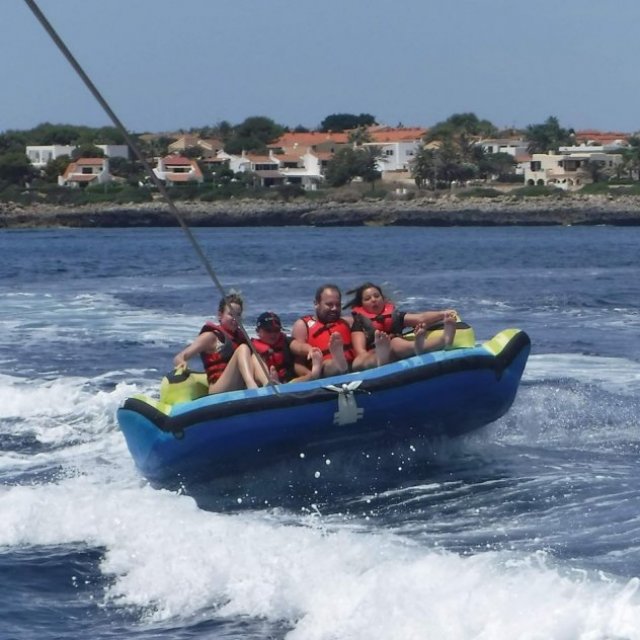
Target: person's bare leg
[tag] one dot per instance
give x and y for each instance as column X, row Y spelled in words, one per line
column 315, row 355
column 420, row 333
column 238, row 374
column 259, row 374
column 402, row 348
column 364, row 361
column 338, row 363
column 449, row 331
column 383, row 347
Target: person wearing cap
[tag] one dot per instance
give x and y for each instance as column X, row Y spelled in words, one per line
column 327, row 331
column 273, row 347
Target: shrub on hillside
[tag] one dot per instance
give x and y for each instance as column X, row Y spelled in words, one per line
column 538, row 191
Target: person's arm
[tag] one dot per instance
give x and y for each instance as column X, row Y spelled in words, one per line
column 299, row 336
column 204, row 342
column 428, row 318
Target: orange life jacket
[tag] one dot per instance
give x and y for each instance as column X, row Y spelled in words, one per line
column 215, row 362
column 319, row 334
column 388, row 320
column 277, row 355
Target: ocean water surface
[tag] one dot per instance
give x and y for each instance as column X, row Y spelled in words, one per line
column 526, row 529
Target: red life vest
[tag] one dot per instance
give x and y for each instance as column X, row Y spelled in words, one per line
column 388, row 320
column 215, row 362
column 319, row 334
column 277, row 356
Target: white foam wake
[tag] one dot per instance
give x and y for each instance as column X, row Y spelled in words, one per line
column 177, row 562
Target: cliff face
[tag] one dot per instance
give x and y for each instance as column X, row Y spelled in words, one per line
column 450, row 211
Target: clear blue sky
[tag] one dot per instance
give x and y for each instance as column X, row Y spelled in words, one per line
column 165, row 64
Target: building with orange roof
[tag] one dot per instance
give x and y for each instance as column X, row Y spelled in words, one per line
column 396, row 147
column 593, row 137
column 85, row 171
column 176, row 169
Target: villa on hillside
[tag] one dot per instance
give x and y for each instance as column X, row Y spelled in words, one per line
column 209, row 145
column 85, row 171
column 569, row 170
column 396, row 148
column 175, row 169
column 302, row 168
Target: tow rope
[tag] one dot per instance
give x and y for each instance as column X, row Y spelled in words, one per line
column 42, row 19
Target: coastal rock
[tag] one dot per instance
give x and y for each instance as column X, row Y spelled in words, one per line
column 426, row 211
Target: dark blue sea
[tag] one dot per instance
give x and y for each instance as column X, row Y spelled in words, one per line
column 528, row 529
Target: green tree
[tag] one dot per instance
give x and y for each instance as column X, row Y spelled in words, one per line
column 346, row 121
column 55, row 168
column 499, row 165
column 253, row 135
column 631, row 158
column 15, row 168
column 458, row 157
column 87, row 151
column 349, row 163
column 440, row 167
column 359, row 136
column 130, row 170
column 461, row 129
column 549, row 136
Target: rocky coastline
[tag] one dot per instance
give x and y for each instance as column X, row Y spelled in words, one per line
column 441, row 211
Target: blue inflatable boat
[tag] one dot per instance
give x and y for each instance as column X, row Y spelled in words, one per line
column 434, row 394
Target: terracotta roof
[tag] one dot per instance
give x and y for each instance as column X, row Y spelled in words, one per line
column 602, row 137
column 388, row 134
column 177, row 160
column 289, row 157
column 94, row 162
column 308, row 139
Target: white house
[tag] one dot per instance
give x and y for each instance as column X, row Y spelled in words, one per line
column 275, row 169
column 85, row 171
column 176, row 169
column 41, row 155
column 515, row 147
column 568, row 171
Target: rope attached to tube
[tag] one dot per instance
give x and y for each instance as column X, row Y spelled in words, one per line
column 42, row 19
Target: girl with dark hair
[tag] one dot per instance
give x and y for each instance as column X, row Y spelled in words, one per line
column 376, row 333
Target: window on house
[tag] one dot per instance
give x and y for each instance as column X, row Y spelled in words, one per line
column 388, row 152
column 535, row 165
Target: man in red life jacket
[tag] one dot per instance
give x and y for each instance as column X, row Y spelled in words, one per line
column 272, row 345
column 327, row 330
column 223, row 350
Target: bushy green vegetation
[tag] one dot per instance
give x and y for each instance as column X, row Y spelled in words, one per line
column 479, row 192
column 538, row 191
column 450, row 159
column 611, row 189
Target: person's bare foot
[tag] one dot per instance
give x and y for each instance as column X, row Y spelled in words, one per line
column 449, row 329
column 315, row 355
column 383, row 347
column 336, row 349
column 420, row 333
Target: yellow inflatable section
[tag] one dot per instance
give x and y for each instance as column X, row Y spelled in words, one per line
column 183, row 385
column 465, row 335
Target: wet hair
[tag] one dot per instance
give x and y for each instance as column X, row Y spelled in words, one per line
column 231, row 298
column 356, row 301
column 321, row 289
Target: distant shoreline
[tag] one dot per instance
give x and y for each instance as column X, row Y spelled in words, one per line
column 440, row 212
